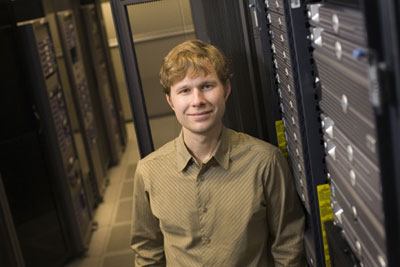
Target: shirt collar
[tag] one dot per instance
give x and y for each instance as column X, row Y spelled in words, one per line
column 183, row 154
column 221, row 155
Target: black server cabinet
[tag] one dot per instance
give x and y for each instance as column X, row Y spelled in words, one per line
column 83, row 101
column 39, row 164
column 245, row 111
column 109, row 109
column 10, row 251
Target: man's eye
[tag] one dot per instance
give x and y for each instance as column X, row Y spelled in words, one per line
column 208, row 86
column 184, row 91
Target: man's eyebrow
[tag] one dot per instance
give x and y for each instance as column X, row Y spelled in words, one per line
column 182, row 86
column 211, row 80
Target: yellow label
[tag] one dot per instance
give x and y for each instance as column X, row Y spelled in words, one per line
column 325, row 212
column 280, row 134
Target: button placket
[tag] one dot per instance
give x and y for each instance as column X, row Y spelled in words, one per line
column 202, row 206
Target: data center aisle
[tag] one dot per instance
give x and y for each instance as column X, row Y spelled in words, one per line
column 109, row 245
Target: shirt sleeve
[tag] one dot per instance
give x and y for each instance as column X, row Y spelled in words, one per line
column 147, row 239
column 285, row 215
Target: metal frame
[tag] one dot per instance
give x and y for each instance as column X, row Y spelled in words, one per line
column 312, row 148
column 78, row 235
column 131, row 74
column 101, row 80
column 383, row 38
column 263, row 60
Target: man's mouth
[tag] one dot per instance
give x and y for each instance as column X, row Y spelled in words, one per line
column 200, row 113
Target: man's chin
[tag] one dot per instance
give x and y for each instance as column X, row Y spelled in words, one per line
column 203, row 129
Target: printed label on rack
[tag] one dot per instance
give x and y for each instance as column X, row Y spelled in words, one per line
column 325, row 212
column 280, row 134
column 295, row 3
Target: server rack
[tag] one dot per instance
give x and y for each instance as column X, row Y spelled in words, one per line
column 358, row 66
column 83, row 100
column 110, row 68
column 104, row 87
column 88, row 174
column 259, row 36
column 39, row 163
column 331, row 131
column 297, row 88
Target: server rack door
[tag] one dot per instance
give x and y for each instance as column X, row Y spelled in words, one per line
column 387, row 59
column 270, row 105
column 103, row 82
column 103, row 141
column 110, row 68
column 88, row 174
column 82, row 98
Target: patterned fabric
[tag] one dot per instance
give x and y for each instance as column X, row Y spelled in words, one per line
column 238, row 209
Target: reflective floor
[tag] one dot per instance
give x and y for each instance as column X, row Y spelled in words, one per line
column 109, row 245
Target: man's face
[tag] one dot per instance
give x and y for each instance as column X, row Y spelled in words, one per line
column 199, row 102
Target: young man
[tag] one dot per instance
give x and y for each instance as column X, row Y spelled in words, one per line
column 212, row 196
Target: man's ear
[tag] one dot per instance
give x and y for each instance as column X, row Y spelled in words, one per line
column 227, row 89
column 169, row 101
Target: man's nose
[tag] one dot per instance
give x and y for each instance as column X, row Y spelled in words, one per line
column 198, row 97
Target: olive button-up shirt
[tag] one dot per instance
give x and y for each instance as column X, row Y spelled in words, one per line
column 238, row 209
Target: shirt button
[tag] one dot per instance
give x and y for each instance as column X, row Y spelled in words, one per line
column 205, row 240
column 204, row 210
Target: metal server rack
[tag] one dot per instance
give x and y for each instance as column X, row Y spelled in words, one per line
column 358, row 126
column 110, row 69
column 103, row 81
column 51, row 106
column 40, row 166
column 82, row 97
column 298, row 91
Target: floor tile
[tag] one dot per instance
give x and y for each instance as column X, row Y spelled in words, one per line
column 124, row 213
column 123, row 260
column 127, row 190
column 119, row 238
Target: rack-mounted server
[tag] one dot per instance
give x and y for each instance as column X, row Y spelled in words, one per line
column 348, row 102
